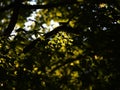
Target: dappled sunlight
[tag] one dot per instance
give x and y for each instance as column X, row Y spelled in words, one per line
column 59, row 45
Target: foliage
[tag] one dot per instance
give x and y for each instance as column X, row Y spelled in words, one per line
column 81, row 52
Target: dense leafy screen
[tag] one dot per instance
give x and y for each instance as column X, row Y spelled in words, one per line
column 59, row 44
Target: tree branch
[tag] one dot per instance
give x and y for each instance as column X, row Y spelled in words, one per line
column 18, row 5
column 64, row 28
column 48, row 35
column 47, row 6
column 13, row 21
column 50, row 5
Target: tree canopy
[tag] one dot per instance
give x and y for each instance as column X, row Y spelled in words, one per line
column 59, row 44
